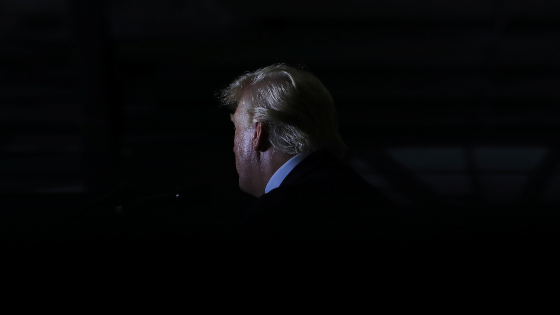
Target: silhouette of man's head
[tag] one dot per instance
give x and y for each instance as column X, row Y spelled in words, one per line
column 279, row 112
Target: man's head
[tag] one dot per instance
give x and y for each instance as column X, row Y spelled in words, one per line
column 280, row 111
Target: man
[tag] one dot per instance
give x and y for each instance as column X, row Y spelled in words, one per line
column 288, row 154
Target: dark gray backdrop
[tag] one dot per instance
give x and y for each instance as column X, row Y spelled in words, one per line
column 444, row 105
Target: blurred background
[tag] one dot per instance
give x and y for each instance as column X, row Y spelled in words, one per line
column 444, row 104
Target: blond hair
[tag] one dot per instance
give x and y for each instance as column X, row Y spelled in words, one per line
column 295, row 107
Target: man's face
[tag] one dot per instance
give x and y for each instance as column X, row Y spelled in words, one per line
column 243, row 151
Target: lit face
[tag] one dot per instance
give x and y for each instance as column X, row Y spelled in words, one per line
column 243, row 151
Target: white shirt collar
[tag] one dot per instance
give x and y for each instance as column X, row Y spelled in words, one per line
column 283, row 171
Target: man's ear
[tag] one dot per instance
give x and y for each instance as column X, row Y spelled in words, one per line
column 260, row 137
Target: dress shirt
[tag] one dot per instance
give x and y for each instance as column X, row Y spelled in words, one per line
column 283, row 171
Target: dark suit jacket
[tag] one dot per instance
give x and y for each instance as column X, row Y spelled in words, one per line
column 319, row 188
column 323, row 211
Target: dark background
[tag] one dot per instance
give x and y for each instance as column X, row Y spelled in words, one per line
column 447, row 106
